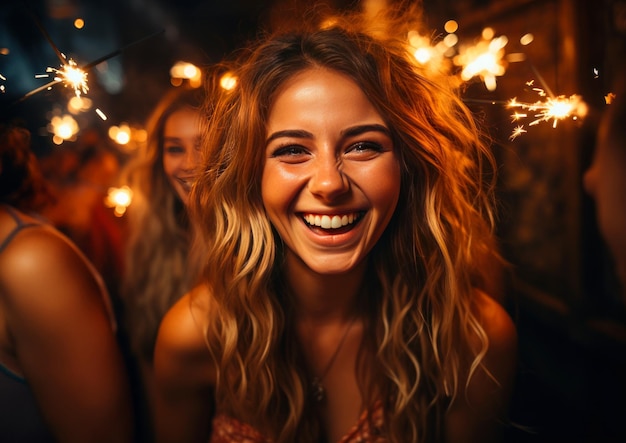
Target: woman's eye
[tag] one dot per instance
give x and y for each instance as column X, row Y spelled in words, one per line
column 365, row 147
column 174, row 149
column 289, row 151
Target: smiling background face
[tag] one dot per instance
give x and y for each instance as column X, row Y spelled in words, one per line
column 181, row 141
column 329, row 153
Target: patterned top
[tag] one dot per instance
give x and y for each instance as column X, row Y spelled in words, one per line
column 230, row 430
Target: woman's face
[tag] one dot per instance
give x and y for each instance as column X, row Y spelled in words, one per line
column 331, row 178
column 181, row 142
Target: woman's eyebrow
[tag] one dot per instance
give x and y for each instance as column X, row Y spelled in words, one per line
column 348, row 132
column 295, row 133
column 171, row 138
column 359, row 129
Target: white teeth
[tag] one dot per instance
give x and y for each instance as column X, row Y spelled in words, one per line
column 330, row 222
column 326, row 222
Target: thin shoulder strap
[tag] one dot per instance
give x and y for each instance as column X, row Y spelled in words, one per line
column 19, row 225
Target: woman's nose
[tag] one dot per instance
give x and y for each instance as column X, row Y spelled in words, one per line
column 190, row 160
column 328, row 181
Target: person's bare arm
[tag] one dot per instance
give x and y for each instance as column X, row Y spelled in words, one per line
column 184, row 378
column 480, row 411
column 63, row 338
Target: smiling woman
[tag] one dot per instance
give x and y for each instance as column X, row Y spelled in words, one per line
column 346, row 221
column 157, row 270
column 329, row 155
column 181, row 139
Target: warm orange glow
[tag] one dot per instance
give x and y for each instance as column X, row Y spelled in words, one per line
column 485, row 59
column 228, row 81
column 120, row 134
column 526, row 39
column 63, row 128
column 71, row 75
column 78, row 104
column 451, row 26
column 429, row 56
column 119, row 199
column 186, row 71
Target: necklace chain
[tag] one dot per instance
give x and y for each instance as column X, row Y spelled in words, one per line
column 317, row 389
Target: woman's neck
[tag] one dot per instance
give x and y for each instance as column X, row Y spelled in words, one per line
column 323, row 295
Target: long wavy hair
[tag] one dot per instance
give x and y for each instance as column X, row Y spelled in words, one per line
column 421, row 332
column 157, row 267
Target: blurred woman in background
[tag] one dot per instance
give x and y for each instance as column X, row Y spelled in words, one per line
column 157, row 268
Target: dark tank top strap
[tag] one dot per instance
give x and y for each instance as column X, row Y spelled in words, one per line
column 19, row 225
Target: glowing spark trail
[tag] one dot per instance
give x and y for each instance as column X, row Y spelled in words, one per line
column 552, row 109
column 101, row 114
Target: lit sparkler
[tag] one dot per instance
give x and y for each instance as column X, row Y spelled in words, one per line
column 552, row 109
column 71, row 75
column 485, row 59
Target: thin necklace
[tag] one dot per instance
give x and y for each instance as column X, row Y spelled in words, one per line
column 317, row 389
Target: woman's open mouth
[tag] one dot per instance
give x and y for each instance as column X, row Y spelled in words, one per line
column 332, row 223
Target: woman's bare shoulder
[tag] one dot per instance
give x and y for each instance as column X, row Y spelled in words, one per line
column 40, row 265
column 184, row 372
column 181, row 352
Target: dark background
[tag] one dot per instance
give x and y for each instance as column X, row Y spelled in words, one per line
column 562, row 292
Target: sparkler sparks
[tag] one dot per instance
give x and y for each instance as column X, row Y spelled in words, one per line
column 71, row 75
column 552, row 109
column 485, row 59
column 519, row 130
